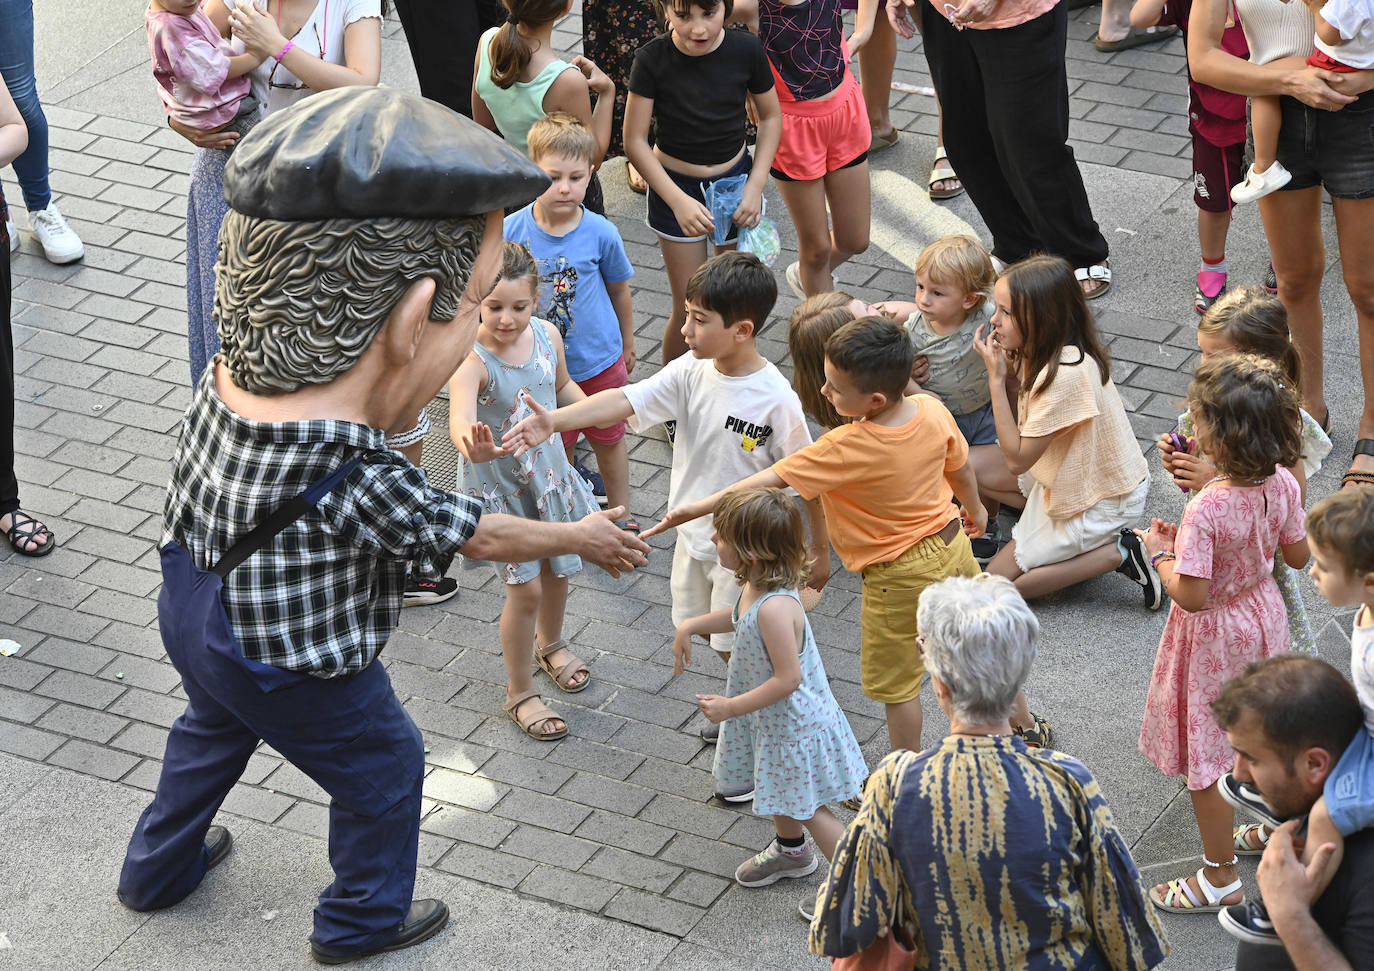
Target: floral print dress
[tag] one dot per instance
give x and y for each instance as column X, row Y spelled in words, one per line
column 1228, row 535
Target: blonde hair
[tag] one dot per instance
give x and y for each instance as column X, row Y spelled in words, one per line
column 561, row 134
column 959, row 261
column 763, row 526
column 810, row 326
column 1255, row 322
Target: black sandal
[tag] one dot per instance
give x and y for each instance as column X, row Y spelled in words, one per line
column 1363, row 446
column 1041, row 735
column 23, row 530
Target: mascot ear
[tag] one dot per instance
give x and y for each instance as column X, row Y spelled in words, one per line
column 405, row 326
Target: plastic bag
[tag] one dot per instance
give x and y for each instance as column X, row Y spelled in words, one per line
column 763, row 240
column 723, row 197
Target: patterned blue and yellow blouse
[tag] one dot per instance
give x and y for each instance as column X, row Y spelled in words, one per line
column 994, row 856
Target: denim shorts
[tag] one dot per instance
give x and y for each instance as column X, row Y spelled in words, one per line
column 1334, row 149
column 1349, row 789
column 661, row 219
column 978, row 427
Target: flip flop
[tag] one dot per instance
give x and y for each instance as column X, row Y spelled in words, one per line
column 1134, row 38
column 942, row 173
column 881, row 142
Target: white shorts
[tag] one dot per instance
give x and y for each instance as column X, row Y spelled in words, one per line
column 701, row 587
column 1041, row 540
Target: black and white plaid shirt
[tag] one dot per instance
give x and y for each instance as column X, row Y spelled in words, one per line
column 324, row 595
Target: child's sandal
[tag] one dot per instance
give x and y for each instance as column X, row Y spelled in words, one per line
column 1240, row 839
column 563, row 675
column 1179, row 898
column 535, row 722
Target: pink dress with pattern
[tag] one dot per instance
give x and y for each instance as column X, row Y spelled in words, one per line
column 1228, row 535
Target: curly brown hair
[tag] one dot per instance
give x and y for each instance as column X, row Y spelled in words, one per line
column 1247, row 415
column 810, row 326
column 764, row 526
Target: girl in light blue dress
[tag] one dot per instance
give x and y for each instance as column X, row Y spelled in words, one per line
column 781, row 729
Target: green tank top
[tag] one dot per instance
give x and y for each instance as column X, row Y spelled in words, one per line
column 518, row 107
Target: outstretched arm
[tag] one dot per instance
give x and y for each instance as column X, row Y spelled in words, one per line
column 602, row 409
column 767, row 479
column 595, row 538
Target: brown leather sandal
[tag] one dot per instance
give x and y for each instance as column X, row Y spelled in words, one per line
column 1364, row 446
column 535, row 724
column 564, row 673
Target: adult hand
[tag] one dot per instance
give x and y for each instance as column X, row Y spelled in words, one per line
column 992, row 353
column 750, row 209
column 480, row 445
column 204, row 139
column 597, row 79
column 258, row 31
column 972, row 12
column 1192, row 471
column 694, row 218
column 534, row 430
column 1319, row 88
column 920, row 369
column 714, row 707
column 1284, row 880
column 682, row 649
column 1160, row 537
column 900, row 19
column 608, row 546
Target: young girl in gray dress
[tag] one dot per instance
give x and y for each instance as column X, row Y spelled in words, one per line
column 516, row 356
column 780, row 727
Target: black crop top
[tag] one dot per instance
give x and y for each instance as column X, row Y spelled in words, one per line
column 699, row 101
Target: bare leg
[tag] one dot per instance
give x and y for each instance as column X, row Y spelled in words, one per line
column 850, row 211
column 904, row 724
column 1056, row 576
column 1355, row 237
column 825, row 829
column 552, row 604
column 1215, row 821
column 1292, row 224
column 996, row 484
column 1116, row 20
column 876, row 63
column 681, row 261
column 517, row 635
column 1265, row 115
column 613, row 462
column 1212, row 228
column 805, row 203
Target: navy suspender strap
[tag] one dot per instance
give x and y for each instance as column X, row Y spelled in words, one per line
column 283, row 516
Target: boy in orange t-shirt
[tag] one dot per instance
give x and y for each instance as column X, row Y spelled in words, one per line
column 887, row 483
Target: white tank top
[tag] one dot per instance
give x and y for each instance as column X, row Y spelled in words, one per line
column 1274, row 29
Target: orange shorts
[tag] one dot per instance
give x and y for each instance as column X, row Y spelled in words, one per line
column 819, row 137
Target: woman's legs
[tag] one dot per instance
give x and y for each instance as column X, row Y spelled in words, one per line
column 1355, row 237
column 1292, row 225
column 996, row 484
column 1041, row 580
column 876, row 63
column 681, row 261
column 16, row 66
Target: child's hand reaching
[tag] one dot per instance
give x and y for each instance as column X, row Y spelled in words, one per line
column 694, row 218
column 675, row 517
column 750, row 209
column 534, row 430
column 714, row 707
column 1160, row 538
column 597, row 79
column 480, row 445
column 1191, row 471
column 682, row 649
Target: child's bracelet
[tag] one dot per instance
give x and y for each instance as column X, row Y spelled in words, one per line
column 282, row 53
column 1161, row 555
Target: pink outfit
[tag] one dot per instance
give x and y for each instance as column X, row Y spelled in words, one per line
column 190, row 65
column 1008, row 13
column 1228, row 534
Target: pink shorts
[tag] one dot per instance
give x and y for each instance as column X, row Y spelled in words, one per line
column 614, row 376
column 819, row 137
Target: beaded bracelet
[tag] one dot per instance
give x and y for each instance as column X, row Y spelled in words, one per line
column 1161, row 555
column 282, row 53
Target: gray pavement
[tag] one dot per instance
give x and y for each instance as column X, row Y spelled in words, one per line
column 601, row 850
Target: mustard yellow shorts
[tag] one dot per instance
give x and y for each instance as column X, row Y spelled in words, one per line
column 890, row 666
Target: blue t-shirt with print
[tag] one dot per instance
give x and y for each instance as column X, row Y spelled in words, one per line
column 574, row 270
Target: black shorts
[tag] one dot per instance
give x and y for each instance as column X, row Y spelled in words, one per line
column 1334, row 149
column 660, row 216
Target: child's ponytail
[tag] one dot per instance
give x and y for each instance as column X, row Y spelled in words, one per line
column 1254, row 322
column 510, row 53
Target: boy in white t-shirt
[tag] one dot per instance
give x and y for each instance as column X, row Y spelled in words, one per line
column 736, row 415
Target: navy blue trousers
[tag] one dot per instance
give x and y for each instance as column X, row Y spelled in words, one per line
column 349, row 734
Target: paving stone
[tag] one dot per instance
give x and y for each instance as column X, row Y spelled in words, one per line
column 144, row 776
column 703, row 854
column 291, row 781
column 448, row 786
column 28, row 742
column 70, row 655
column 672, row 744
column 139, row 611
column 534, row 843
column 654, row 912
column 92, row 759
column 79, row 689
column 141, row 739
column 488, row 866
column 15, row 672
column 470, row 827
column 699, row 889
column 628, row 834
column 94, row 726
column 602, row 760
column 590, row 790
column 632, row 869
column 526, row 773
column 411, row 680
column 688, row 816
column 642, row 706
column 571, row 889
column 265, row 807
column 20, row 706
column 143, row 641
column 148, row 707
column 539, row 810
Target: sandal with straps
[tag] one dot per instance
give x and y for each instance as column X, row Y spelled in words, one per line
column 1240, row 839
column 536, row 718
column 1179, row 898
column 1363, row 446
column 1097, row 273
column 564, row 673
column 24, row 529
column 941, row 171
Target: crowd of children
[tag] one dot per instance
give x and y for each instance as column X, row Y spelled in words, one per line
column 990, row 390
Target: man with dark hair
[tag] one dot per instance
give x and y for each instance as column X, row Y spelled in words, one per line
column 1289, row 719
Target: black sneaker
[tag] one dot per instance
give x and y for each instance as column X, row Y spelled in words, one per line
column 1137, row 567
column 593, row 480
column 1250, row 922
column 1271, row 280
column 421, row 592
column 1247, row 800
column 985, row 547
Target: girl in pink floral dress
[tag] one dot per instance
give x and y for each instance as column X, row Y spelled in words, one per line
column 1217, row 567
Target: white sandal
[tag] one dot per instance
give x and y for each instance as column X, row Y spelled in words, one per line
column 1098, row 273
column 1241, row 839
column 1179, row 898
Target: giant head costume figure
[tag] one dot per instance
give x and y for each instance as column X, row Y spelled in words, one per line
column 356, row 214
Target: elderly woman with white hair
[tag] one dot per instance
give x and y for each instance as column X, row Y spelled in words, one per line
column 983, row 852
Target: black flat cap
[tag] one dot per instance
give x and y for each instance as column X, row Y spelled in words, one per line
column 355, row 153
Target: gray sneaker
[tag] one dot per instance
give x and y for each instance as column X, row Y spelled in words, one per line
column 807, row 908
column 710, row 733
column 742, row 793
column 772, row 865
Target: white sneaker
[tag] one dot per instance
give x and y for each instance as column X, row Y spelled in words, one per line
column 793, row 275
column 60, row 242
column 12, row 231
column 1259, row 184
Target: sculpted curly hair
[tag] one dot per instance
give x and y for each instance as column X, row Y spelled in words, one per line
column 298, row 303
column 1247, row 415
